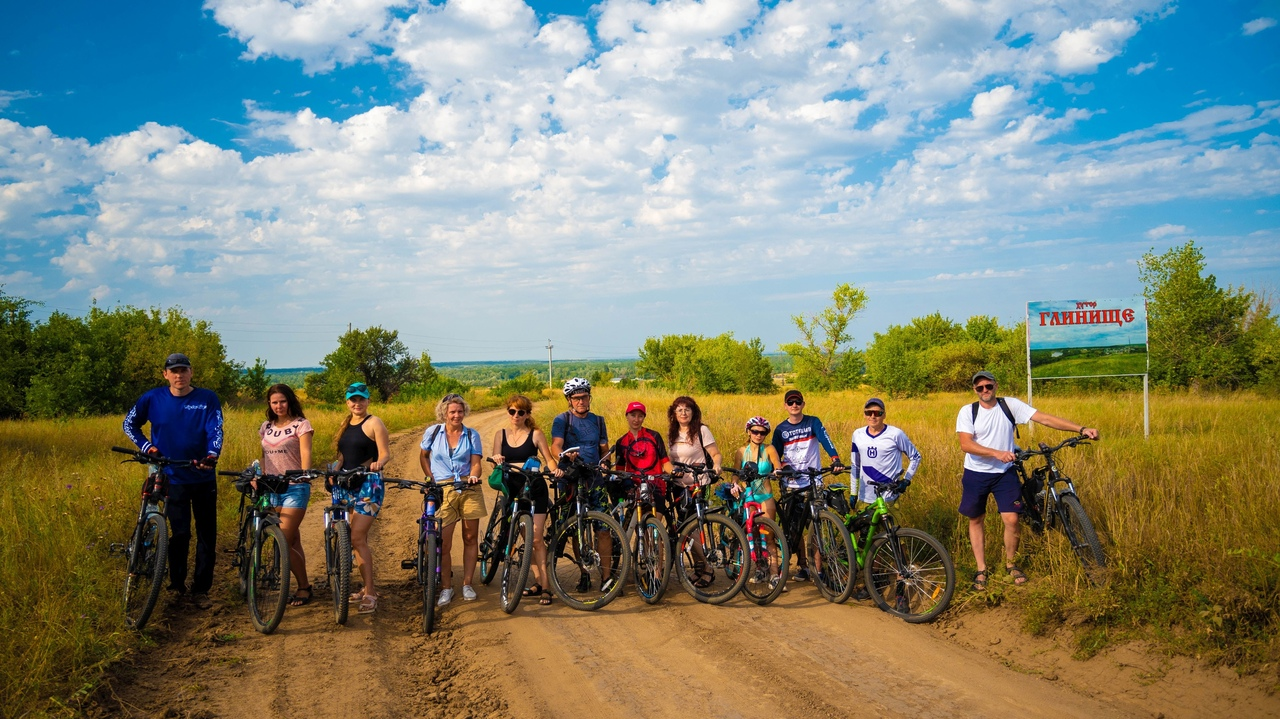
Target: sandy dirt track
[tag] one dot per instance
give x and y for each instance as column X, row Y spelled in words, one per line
column 799, row 657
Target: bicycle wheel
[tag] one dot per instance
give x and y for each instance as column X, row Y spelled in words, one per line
column 915, row 581
column 242, row 555
column 580, row 574
column 516, row 563
column 767, row 559
column 831, row 557
column 650, row 547
column 268, row 579
column 494, row 541
column 337, row 552
column 1080, row 532
column 144, row 573
column 429, row 575
column 710, row 558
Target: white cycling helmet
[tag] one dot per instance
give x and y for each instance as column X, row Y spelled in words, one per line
column 575, row 385
column 758, row 421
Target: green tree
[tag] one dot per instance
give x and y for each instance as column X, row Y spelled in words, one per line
column 933, row 353
column 16, row 361
column 818, row 355
column 374, row 356
column 693, row 363
column 255, row 381
column 1195, row 329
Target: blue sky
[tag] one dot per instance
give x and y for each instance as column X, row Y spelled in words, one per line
column 482, row 175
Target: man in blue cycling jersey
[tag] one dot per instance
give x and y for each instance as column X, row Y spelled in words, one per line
column 580, row 427
column 186, row 423
column 797, row 439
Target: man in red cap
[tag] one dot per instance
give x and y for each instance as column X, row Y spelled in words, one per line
column 641, row 450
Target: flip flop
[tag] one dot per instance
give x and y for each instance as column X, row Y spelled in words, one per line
column 298, row 600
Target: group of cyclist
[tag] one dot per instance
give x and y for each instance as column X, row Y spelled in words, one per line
column 186, row 423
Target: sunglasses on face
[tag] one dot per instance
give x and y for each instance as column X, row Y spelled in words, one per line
column 759, row 432
column 794, row 403
column 983, row 387
column 873, row 413
column 580, row 397
column 516, row 412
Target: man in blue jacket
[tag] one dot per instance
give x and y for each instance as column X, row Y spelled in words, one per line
column 186, row 423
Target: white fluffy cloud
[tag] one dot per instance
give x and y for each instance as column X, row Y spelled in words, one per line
column 1253, row 27
column 616, row 153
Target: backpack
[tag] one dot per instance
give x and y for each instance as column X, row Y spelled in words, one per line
column 1007, row 413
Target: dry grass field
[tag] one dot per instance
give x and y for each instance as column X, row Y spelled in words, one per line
column 1189, row 518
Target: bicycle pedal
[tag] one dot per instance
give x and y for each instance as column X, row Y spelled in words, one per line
column 116, row 548
column 408, row 564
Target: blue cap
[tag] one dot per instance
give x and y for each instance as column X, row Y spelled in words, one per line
column 357, row 389
column 874, row 401
column 177, row 359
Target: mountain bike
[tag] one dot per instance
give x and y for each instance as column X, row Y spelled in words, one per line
column 510, row 539
column 710, row 548
column 826, row 545
column 647, row 539
column 585, row 571
column 146, row 554
column 262, row 552
column 1049, row 498
column 426, row 563
column 907, row 572
column 337, row 537
column 767, row 549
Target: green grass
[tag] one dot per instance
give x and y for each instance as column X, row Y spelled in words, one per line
column 1092, row 366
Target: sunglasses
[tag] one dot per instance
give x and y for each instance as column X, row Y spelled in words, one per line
column 580, row 398
column 759, row 432
column 516, row 412
column 873, row 413
column 983, row 387
column 795, row 402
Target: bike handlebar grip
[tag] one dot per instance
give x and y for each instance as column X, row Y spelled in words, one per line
column 124, row 450
column 228, row 474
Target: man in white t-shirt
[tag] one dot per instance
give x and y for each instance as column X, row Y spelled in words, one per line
column 986, row 436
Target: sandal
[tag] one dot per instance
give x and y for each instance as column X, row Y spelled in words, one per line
column 357, row 596
column 533, row 590
column 297, row 600
column 545, row 599
column 980, row 580
column 368, row 604
column 1019, row 577
column 706, row 578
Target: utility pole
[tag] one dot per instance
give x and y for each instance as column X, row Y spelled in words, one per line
column 549, row 375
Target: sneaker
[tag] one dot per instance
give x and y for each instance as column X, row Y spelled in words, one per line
column 607, row 584
column 468, row 593
column 862, row 594
column 445, row 597
column 584, row 583
column 802, row 575
column 201, row 600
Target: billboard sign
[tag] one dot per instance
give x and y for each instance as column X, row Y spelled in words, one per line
column 1087, row 338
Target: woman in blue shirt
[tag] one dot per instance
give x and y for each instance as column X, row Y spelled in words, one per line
column 449, row 450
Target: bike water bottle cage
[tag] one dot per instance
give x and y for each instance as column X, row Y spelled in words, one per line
column 1004, row 407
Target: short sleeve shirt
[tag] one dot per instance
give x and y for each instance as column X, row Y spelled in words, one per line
column 993, row 430
column 448, row 462
column 281, row 446
column 585, row 433
column 683, row 450
column 641, row 453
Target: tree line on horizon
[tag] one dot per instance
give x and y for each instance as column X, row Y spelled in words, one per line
column 1200, row 336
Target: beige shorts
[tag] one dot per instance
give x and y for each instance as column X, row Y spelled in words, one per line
column 455, row 505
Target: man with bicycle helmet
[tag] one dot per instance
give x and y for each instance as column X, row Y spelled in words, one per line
column 987, row 431
column 579, row 427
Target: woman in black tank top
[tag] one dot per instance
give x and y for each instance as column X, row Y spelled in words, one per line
column 363, row 441
column 529, row 443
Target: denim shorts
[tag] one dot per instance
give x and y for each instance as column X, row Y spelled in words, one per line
column 296, row 497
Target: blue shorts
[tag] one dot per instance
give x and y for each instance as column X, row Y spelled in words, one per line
column 296, row 497
column 979, row 485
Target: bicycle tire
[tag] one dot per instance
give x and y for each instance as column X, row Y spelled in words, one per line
column 268, row 578
column 429, row 563
column 724, row 557
column 516, row 563
column 832, row 561
column 494, row 541
column 338, row 563
column 1080, row 532
column 765, row 583
column 571, row 561
column 918, row 590
column 650, row 547
column 145, row 569
column 242, row 555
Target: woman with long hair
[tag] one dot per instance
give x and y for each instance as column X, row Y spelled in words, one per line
column 363, row 441
column 286, row 445
column 520, row 444
column 689, row 440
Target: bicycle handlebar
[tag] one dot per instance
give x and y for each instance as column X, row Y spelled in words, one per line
column 422, row 485
column 1045, row 450
column 154, row 459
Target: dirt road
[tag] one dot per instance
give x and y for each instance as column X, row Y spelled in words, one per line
column 799, row 657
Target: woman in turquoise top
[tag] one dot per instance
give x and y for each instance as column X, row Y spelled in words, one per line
column 765, row 458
